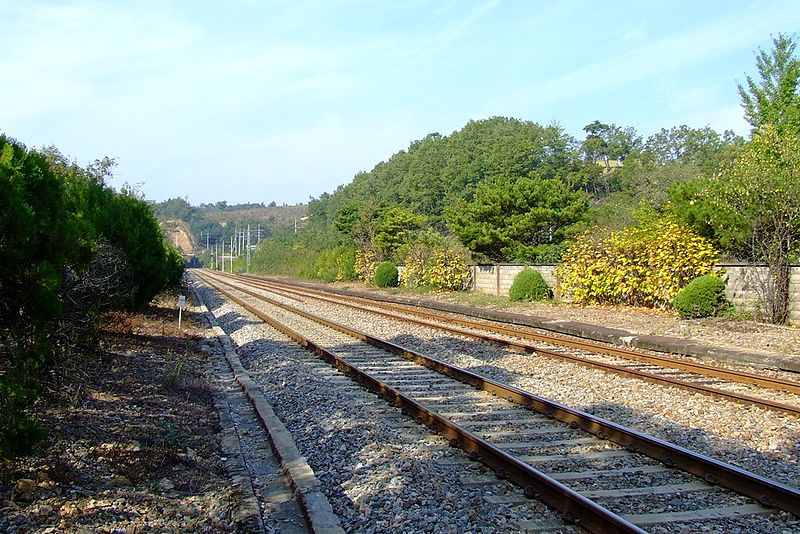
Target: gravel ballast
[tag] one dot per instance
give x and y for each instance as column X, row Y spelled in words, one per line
column 764, row 442
column 381, row 473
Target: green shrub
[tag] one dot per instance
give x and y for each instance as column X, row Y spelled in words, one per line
column 386, row 275
column 335, row 265
column 529, row 285
column 70, row 247
column 702, row 297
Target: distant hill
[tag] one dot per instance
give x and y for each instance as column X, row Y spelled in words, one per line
column 268, row 215
column 177, row 233
column 214, row 223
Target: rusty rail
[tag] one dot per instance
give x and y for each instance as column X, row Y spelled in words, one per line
column 767, row 492
column 731, row 375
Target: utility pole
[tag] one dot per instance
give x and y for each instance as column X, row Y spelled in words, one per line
column 259, row 234
column 231, row 254
column 208, row 252
column 223, row 255
column 248, row 247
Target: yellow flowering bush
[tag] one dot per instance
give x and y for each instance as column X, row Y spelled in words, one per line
column 642, row 265
column 446, row 269
column 434, row 260
column 412, row 273
column 365, row 264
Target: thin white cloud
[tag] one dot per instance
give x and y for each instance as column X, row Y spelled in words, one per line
column 302, row 95
column 660, row 58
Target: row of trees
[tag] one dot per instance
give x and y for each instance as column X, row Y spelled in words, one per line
column 70, row 247
column 513, row 190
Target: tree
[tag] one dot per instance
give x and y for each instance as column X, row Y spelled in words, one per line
column 756, row 202
column 394, row 227
column 670, row 157
column 354, row 221
column 700, row 146
column 605, row 142
column 775, row 97
column 526, row 219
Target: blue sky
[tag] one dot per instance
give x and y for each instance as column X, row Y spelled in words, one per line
column 257, row 101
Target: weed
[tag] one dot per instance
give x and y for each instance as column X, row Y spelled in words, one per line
column 169, row 436
column 173, row 373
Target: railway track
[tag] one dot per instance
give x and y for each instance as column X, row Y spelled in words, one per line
column 738, row 386
column 599, row 474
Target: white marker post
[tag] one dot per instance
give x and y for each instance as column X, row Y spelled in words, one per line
column 181, row 305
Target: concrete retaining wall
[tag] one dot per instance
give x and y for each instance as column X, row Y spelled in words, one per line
column 497, row 279
column 741, row 283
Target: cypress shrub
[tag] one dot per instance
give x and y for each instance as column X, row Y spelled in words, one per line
column 529, row 285
column 386, row 275
column 702, row 297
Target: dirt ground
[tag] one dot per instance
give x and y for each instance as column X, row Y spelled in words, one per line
column 133, row 438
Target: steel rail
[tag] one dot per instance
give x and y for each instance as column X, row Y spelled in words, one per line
column 767, row 492
column 574, row 507
column 695, row 367
column 586, row 362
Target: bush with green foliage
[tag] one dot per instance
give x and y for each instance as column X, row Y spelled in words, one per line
column 335, row 265
column 36, row 235
column 642, row 265
column 70, row 247
column 386, row 275
column 702, row 297
column 529, row 285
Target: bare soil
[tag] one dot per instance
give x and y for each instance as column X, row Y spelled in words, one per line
column 133, row 438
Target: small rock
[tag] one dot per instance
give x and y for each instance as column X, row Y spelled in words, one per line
column 166, row 484
column 24, row 485
column 68, row 510
column 119, row 481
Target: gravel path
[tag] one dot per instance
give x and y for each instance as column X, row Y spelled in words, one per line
column 730, row 333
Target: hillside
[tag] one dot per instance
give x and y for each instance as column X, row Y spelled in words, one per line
column 271, row 217
column 177, row 233
column 191, row 227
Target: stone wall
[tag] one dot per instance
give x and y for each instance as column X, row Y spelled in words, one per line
column 741, row 283
column 497, row 279
column 794, row 295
